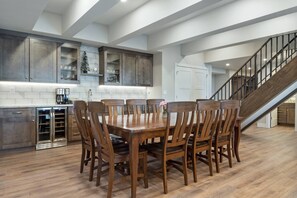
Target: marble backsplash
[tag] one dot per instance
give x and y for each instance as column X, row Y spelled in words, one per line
column 12, row 93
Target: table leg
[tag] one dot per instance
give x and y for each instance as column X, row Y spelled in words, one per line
column 237, row 135
column 133, row 150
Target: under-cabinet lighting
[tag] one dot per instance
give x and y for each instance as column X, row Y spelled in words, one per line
column 121, row 87
column 37, row 84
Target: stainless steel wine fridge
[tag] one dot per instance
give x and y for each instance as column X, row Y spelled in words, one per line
column 51, row 127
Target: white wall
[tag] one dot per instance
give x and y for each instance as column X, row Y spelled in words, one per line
column 156, row 90
column 170, row 56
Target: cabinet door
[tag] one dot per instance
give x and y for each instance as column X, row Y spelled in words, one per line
column 73, row 132
column 144, row 71
column 129, row 69
column 43, row 61
column 17, row 128
column 68, row 63
column 290, row 115
column 14, row 58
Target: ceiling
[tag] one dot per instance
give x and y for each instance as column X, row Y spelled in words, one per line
column 197, row 26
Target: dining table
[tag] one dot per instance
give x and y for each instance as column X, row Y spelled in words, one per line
column 135, row 129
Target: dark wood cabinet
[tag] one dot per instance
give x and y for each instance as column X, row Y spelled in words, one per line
column 69, row 63
column 14, row 58
column 144, row 70
column 124, row 67
column 73, row 132
column 129, row 69
column 286, row 113
column 43, row 60
column 17, row 127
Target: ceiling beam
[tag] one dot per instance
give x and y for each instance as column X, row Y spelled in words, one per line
column 82, row 13
column 153, row 16
column 245, row 34
column 231, row 16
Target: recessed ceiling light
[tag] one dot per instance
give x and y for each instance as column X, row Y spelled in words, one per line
column 123, row 0
column 249, row 68
column 264, row 59
column 227, row 64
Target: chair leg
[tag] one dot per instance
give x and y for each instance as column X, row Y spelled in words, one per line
column 221, row 154
column 92, row 165
column 210, row 160
column 88, row 157
column 194, row 165
column 217, row 159
column 99, row 169
column 229, row 155
column 185, row 168
column 82, row 160
column 110, row 179
column 164, row 176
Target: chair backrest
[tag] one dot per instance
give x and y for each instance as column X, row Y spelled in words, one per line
column 229, row 114
column 99, row 129
column 153, row 105
column 207, row 117
column 115, row 106
column 184, row 113
column 81, row 116
column 136, row 106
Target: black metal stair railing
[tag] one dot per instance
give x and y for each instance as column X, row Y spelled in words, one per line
column 274, row 54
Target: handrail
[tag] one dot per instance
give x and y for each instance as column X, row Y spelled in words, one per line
column 250, row 76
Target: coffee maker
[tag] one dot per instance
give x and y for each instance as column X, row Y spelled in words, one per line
column 62, row 95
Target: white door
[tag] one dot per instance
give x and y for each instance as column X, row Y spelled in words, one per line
column 273, row 117
column 190, row 83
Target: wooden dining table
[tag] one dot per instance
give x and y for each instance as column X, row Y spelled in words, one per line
column 138, row 128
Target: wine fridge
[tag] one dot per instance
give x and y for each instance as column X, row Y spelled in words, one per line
column 51, row 127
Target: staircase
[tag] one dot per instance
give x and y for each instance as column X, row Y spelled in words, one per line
column 265, row 80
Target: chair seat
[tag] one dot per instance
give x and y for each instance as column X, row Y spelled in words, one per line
column 157, row 149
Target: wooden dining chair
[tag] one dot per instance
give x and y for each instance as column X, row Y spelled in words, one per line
column 180, row 117
column 109, row 153
column 115, row 107
column 207, row 116
column 153, row 105
column 136, row 106
column 88, row 152
column 223, row 136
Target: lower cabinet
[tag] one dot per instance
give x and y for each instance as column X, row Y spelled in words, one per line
column 17, row 127
column 73, row 132
column 286, row 113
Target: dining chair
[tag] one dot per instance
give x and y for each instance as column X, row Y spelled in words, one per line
column 136, row 106
column 223, row 136
column 115, row 107
column 207, row 116
column 88, row 152
column 153, row 105
column 109, row 153
column 180, row 117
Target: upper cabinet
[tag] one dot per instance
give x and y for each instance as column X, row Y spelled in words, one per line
column 43, row 61
column 14, row 58
column 123, row 67
column 110, row 66
column 28, row 58
column 144, row 70
column 68, row 63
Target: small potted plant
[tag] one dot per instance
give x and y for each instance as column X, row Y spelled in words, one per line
column 84, row 64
